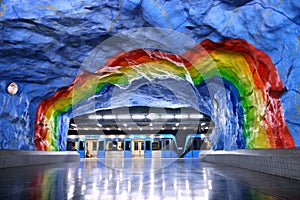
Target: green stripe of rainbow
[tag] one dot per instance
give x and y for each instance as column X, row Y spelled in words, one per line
column 248, row 69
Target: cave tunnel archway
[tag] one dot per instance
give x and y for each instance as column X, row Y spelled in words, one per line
column 249, row 70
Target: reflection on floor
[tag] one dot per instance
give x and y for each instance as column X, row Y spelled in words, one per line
column 142, row 179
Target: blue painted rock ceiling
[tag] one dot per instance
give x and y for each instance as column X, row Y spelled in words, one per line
column 43, row 45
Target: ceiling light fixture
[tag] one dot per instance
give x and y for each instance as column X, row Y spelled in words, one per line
column 168, row 116
column 196, row 116
column 138, row 116
column 123, row 116
column 182, row 116
column 109, row 117
column 95, row 117
column 152, row 116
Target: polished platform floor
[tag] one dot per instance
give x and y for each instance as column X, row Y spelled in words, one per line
column 142, row 179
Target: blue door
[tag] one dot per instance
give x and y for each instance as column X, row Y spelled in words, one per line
column 192, row 146
column 127, row 148
column 101, row 147
column 81, row 147
column 148, row 148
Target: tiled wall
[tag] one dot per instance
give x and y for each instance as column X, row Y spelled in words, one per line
column 280, row 162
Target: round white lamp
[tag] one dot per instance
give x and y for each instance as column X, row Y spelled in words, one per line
column 12, row 88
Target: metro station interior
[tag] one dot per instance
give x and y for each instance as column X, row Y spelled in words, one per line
column 140, row 99
column 142, row 132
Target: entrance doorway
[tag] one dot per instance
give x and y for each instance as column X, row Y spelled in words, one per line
column 91, row 148
column 138, row 148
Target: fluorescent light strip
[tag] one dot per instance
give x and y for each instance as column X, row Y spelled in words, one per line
column 138, row 116
column 109, row 117
column 74, row 125
column 182, row 116
column 123, row 116
column 167, row 116
column 152, row 116
column 196, row 116
column 95, row 117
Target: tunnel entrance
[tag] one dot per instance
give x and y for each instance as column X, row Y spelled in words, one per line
column 140, row 132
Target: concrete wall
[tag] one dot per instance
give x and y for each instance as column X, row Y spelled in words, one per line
column 279, row 162
column 9, row 158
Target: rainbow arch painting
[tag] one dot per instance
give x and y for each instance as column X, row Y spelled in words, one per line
column 248, row 69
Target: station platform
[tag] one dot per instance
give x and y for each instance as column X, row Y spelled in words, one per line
column 142, row 179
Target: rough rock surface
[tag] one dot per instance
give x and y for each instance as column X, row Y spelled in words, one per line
column 43, row 45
